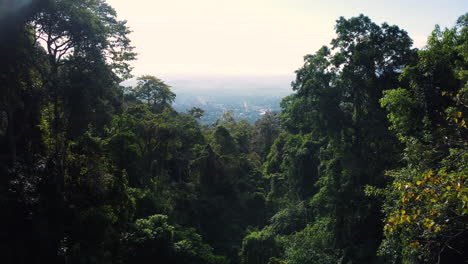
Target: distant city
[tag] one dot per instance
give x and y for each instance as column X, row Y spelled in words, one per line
column 245, row 107
column 249, row 97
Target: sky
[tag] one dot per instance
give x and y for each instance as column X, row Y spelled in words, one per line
column 258, row 37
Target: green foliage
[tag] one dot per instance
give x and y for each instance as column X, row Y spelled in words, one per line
column 241, row 131
column 338, row 141
column 425, row 206
column 402, row 110
column 289, row 219
column 93, row 172
column 151, row 145
column 196, row 112
column 265, row 131
column 259, row 246
column 154, row 92
column 311, row 245
column 425, row 211
column 224, row 143
column 153, row 238
column 276, row 261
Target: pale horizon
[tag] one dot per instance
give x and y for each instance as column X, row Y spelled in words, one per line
column 257, row 38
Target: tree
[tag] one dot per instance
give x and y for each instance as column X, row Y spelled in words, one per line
column 49, row 111
column 426, row 204
column 155, row 239
column 154, row 92
column 196, row 112
column 265, row 131
column 258, row 247
column 338, row 139
column 94, row 173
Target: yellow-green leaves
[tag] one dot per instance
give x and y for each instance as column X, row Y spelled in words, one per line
column 428, row 205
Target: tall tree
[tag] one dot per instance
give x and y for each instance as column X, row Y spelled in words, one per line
column 345, row 143
column 154, row 92
column 61, row 40
column 426, row 205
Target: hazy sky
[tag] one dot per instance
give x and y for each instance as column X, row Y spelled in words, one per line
column 258, row 37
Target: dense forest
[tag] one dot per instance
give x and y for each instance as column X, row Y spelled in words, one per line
column 367, row 162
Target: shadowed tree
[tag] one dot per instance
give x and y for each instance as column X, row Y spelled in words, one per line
column 154, row 92
column 196, row 112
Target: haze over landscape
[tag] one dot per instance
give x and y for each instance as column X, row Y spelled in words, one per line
column 245, row 48
column 257, row 37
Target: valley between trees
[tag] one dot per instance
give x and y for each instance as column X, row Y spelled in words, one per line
column 367, row 161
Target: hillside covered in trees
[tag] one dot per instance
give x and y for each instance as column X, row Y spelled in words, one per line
column 367, row 161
